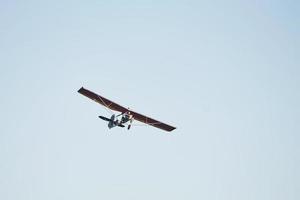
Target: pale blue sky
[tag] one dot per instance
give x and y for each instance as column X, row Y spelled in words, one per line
column 226, row 73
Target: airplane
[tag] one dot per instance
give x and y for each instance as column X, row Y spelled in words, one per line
column 126, row 116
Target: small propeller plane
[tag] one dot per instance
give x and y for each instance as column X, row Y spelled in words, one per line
column 126, row 116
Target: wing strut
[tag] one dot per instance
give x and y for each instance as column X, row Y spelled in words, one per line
column 106, row 106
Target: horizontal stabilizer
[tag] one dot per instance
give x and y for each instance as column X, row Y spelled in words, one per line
column 104, row 118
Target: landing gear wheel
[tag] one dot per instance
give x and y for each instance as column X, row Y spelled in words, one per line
column 129, row 125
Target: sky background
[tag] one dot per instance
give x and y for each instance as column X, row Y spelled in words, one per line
column 226, row 73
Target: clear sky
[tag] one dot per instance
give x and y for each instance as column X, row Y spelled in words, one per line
column 226, row 73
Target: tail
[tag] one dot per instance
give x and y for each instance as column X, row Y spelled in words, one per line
column 104, row 118
column 109, row 120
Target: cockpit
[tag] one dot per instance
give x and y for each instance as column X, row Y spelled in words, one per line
column 125, row 117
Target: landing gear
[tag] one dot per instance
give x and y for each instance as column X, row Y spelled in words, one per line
column 129, row 125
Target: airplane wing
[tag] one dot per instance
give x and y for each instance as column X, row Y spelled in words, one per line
column 151, row 122
column 103, row 101
column 116, row 107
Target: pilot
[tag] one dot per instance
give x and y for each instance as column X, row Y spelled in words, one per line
column 126, row 117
